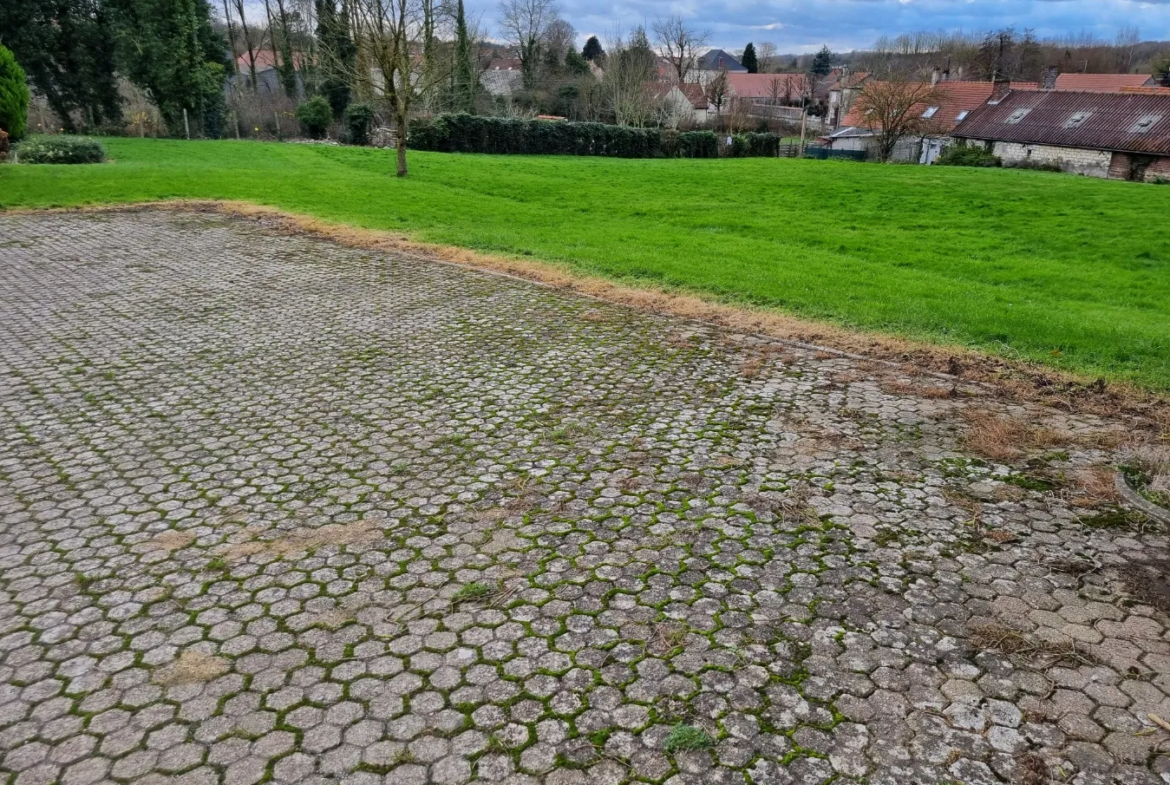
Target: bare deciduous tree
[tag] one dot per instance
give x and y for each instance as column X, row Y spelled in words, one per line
column 559, row 38
column 387, row 32
column 767, row 54
column 718, row 91
column 525, row 24
column 679, row 44
column 248, row 45
column 1128, row 37
column 895, row 109
column 627, row 82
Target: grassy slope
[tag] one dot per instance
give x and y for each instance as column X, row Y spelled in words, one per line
column 1070, row 271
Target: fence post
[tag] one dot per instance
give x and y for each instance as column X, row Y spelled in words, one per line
column 186, row 125
column 279, row 137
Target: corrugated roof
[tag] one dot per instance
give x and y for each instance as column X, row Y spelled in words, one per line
column 955, row 98
column 1101, row 83
column 1099, row 121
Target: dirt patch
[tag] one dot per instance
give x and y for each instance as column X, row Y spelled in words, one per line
column 1148, row 582
column 1017, row 380
column 306, row 540
column 169, row 541
column 192, row 667
column 1007, row 438
column 1033, row 770
column 1093, row 487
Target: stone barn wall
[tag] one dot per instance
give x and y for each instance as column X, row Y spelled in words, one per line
column 1094, row 163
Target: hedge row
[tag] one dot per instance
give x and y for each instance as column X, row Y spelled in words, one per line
column 60, row 150
column 464, row 133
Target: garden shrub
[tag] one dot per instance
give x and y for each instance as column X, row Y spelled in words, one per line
column 14, row 95
column 1039, row 166
column 698, row 144
column 968, row 155
column 464, row 133
column 763, row 145
column 359, row 119
column 4, row 146
column 315, row 116
column 60, row 150
column 738, row 147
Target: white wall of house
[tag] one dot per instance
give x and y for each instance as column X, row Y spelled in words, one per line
column 678, row 110
column 1094, row 163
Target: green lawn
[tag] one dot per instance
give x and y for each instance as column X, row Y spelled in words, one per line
column 1069, row 271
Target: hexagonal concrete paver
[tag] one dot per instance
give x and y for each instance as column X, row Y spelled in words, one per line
column 272, row 509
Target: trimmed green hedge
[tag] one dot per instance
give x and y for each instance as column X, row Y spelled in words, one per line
column 60, row 150
column 464, row 133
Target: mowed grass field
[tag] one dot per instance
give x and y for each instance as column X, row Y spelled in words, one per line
column 1069, row 271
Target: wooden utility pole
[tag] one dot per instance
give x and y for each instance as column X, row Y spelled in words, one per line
column 803, row 122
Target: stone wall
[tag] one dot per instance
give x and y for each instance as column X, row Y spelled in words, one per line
column 1094, row 163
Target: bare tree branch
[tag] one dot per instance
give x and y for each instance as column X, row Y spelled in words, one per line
column 525, row 24
column 679, row 44
column 896, row 108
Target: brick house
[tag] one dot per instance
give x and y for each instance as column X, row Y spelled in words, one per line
column 1123, row 136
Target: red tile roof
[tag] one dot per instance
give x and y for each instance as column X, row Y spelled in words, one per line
column 1101, row 83
column 1128, row 122
column 692, row 92
column 956, row 98
column 1156, row 90
column 761, row 85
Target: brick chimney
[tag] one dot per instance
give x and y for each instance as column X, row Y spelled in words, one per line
column 1048, row 81
column 1001, row 86
column 935, row 76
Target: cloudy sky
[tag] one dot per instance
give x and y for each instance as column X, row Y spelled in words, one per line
column 804, row 25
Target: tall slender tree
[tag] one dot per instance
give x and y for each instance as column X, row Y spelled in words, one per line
column 338, row 53
column 249, row 46
column 465, row 82
column 280, row 33
column 430, row 43
column 749, row 59
column 592, row 50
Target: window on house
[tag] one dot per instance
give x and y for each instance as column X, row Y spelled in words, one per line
column 962, row 115
column 1145, row 124
column 931, row 111
column 1077, row 120
column 1017, row 116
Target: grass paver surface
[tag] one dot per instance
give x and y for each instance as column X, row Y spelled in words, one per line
column 1068, row 271
column 272, row 509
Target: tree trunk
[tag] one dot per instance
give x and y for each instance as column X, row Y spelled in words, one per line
column 400, row 142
